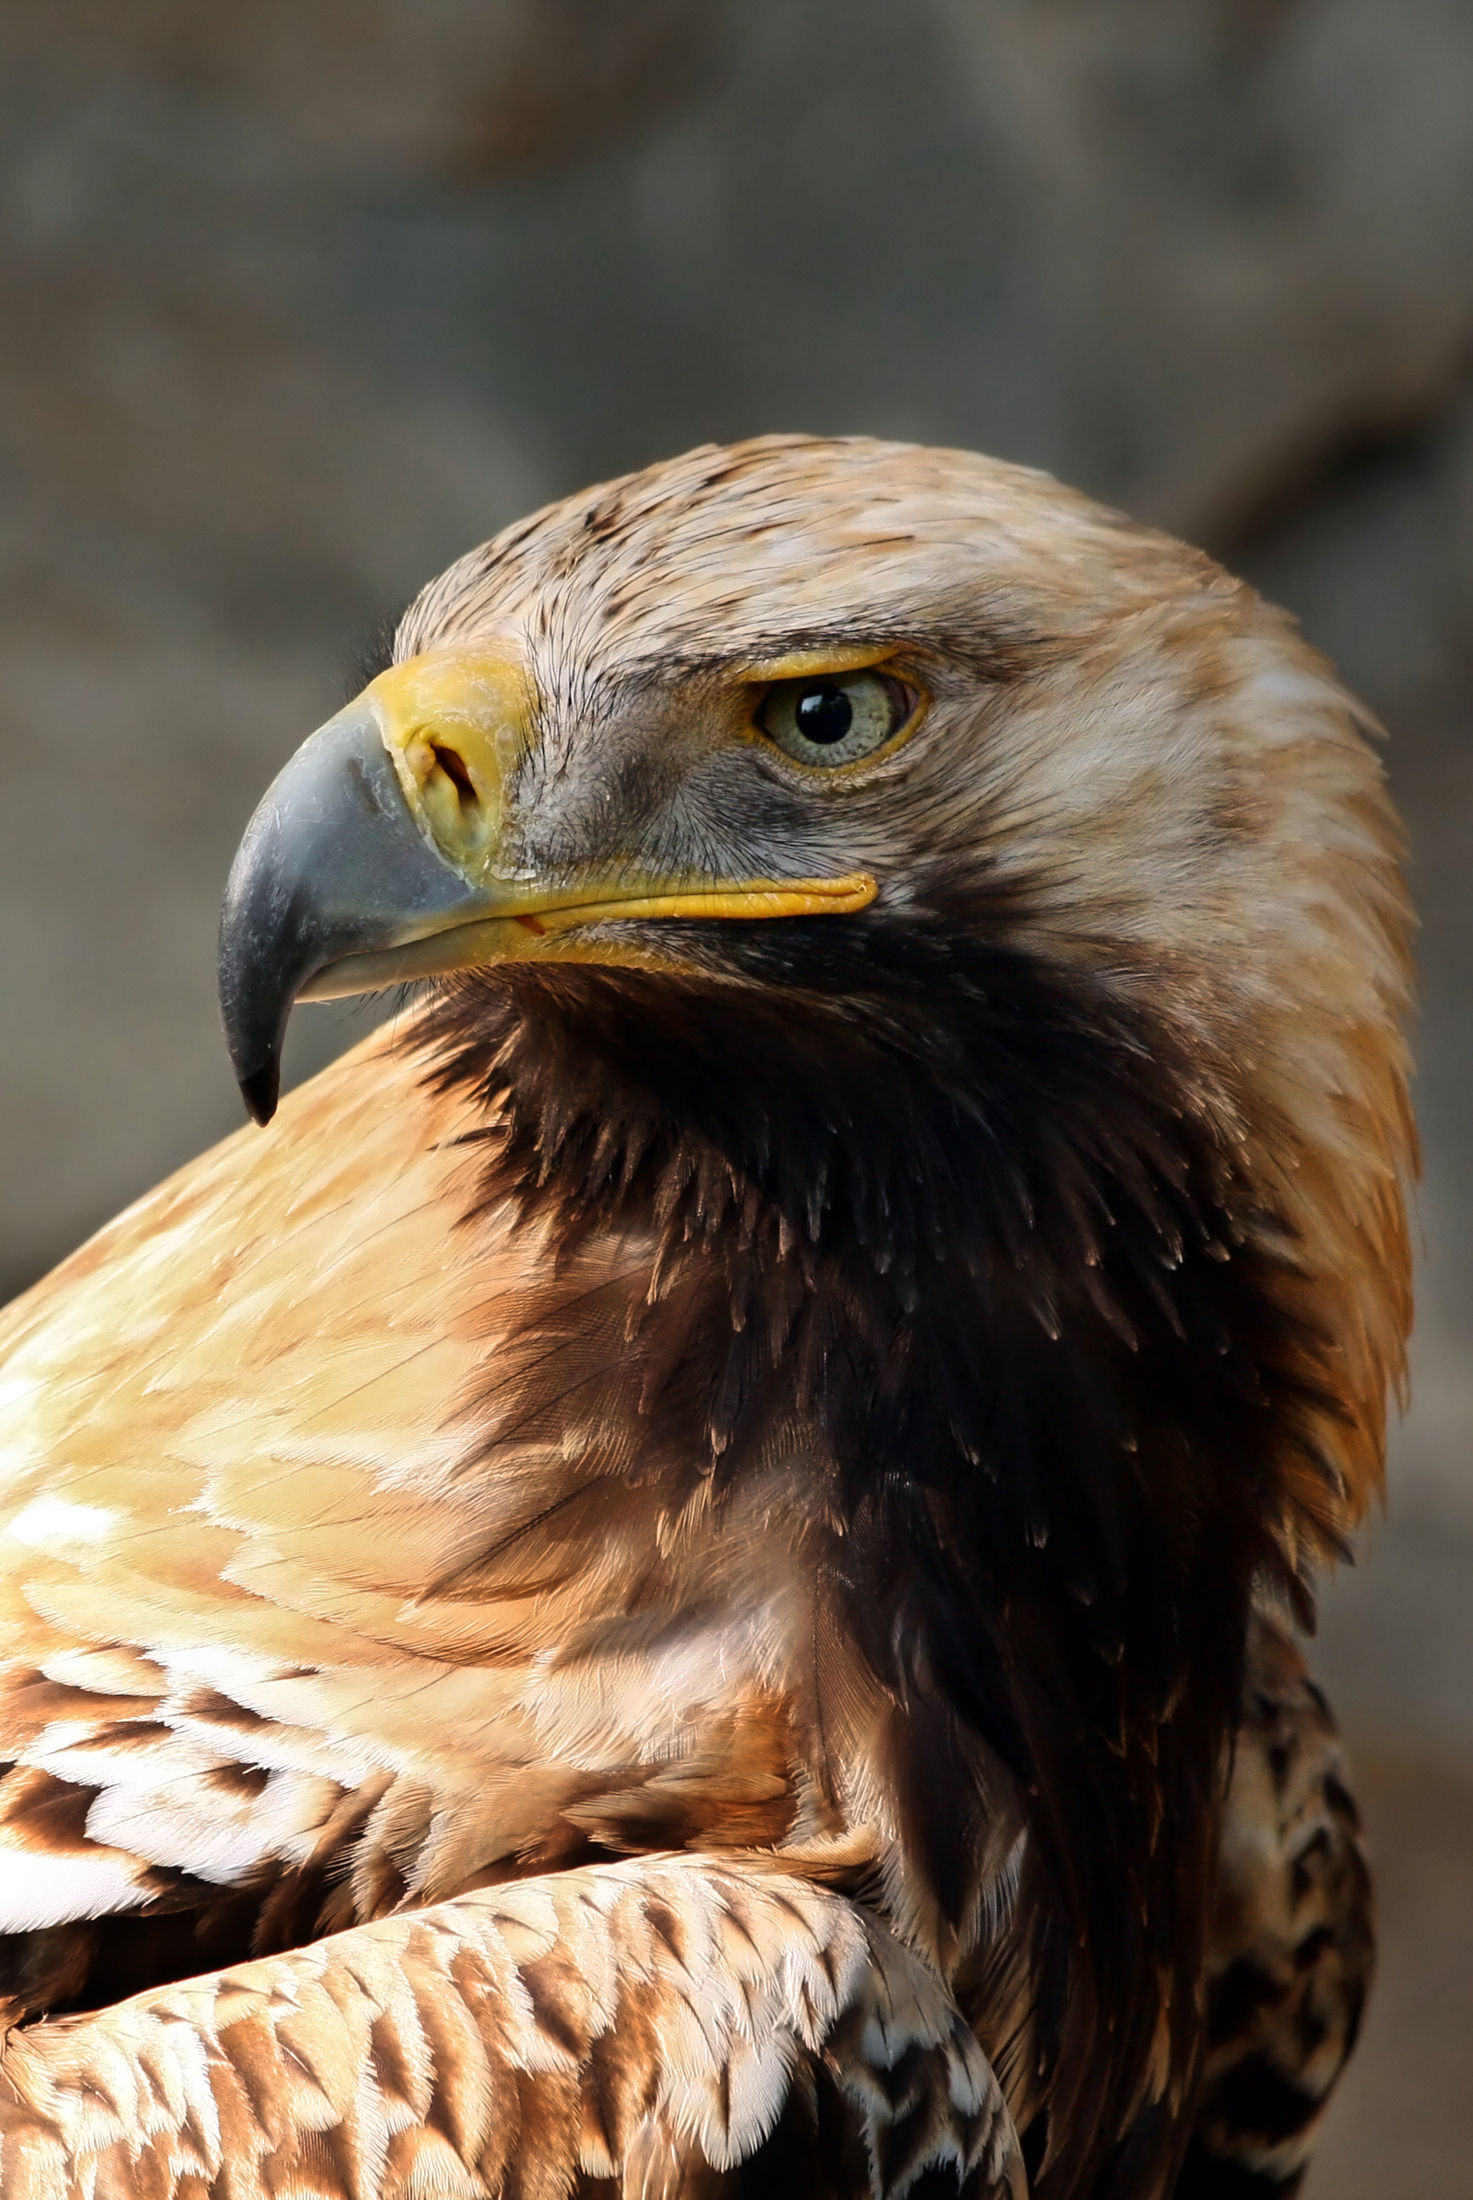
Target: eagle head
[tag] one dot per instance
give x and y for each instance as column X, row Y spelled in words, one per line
column 944, row 850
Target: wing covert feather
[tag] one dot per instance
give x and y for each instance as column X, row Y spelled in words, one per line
column 662, row 2024
column 238, row 1366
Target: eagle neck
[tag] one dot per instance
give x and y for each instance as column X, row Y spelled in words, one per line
column 974, row 1256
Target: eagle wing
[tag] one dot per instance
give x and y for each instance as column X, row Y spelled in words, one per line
column 339, row 1567
column 677, row 2026
column 268, row 1346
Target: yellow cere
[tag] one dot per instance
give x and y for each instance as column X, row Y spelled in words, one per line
column 456, row 723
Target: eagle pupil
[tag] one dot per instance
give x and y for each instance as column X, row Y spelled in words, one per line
column 824, row 714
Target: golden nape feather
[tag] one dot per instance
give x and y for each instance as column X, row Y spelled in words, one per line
column 669, row 1584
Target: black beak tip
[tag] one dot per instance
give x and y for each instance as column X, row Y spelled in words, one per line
column 260, row 1089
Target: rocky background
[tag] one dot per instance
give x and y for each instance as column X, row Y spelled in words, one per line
column 299, row 298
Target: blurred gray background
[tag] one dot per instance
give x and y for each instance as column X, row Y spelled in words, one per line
column 300, row 298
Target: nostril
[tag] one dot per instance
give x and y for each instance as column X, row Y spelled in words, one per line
column 453, row 765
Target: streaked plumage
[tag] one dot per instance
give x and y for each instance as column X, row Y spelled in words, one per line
column 1291, row 1951
column 812, row 1395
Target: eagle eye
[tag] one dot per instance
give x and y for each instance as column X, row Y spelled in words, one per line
column 834, row 717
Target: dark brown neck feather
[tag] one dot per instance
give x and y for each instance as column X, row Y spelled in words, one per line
column 949, row 1207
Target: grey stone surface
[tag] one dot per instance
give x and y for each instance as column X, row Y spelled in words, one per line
column 297, row 300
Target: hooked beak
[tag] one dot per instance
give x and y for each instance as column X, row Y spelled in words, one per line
column 382, row 853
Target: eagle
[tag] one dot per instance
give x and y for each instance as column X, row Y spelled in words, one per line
column 685, row 1580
